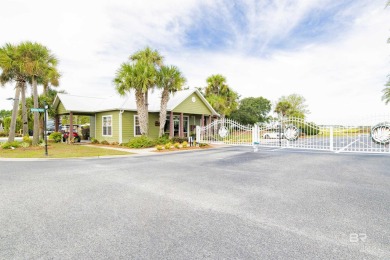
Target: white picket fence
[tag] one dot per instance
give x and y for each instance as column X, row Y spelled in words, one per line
column 371, row 136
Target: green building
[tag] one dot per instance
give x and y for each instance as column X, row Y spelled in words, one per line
column 115, row 119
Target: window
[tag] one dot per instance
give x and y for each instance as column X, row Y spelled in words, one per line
column 137, row 128
column 107, row 125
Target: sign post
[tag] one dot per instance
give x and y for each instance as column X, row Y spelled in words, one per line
column 45, row 131
column 44, row 123
column 37, row 110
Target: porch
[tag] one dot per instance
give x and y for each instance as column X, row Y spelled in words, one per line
column 183, row 125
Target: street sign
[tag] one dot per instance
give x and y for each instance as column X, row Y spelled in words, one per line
column 37, row 110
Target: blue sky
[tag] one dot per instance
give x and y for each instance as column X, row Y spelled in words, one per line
column 334, row 53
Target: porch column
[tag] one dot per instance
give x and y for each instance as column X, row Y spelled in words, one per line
column 171, row 128
column 181, row 125
column 202, row 121
column 120, row 127
column 209, row 119
column 70, row 127
column 57, row 123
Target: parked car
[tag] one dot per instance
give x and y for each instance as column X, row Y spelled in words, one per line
column 50, row 129
column 75, row 136
column 272, row 135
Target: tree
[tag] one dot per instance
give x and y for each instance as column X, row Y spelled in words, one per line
column 5, row 113
column 12, row 70
column 297, row 107
column 150, row 58
column 24, row 116
column 220, row 96
column 170, row 80
column 140, row 75
column 252, row 110
column 386, row 93
column 216, row 84
column 282, row 108
column 44, row 99
column 38, row 61
column 50, row 78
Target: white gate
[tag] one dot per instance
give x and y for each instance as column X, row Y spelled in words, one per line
column 225, row 131
column 372, row 135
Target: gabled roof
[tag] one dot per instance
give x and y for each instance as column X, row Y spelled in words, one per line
column 77, row 103
column 84, row 104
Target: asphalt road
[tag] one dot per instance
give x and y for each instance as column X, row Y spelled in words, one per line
column 229, row 203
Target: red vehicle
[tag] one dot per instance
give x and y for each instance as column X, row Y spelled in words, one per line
column 75, row 136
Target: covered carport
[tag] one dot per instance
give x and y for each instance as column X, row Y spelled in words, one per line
column 72, row 105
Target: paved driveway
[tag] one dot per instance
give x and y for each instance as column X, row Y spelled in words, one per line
column 227, row 203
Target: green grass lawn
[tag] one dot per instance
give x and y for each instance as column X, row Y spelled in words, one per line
column 59, row 150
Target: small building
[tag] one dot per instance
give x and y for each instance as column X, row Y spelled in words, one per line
column 115, row 118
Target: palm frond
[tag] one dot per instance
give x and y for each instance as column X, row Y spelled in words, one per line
column 386, row 94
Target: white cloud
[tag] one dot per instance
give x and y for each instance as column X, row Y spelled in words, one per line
column 341, row 77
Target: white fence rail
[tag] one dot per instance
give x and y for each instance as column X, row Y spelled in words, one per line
column 225, row 131
column 371, row 136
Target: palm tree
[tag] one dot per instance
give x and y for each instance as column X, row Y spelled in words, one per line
column 12, row 70
column 170, row 80
column 23, row 88
column 283, row 107
column 37, row 60
column 150, row 58
column 138, row 77
column 220, row 96
column 51, row 78
column 386, row 93
column 215, row 84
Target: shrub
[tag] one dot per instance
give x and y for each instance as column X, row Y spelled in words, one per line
column 159, row 147
column 177, row 145
column 184, row 144
column 114, row 143
column 56, row 137
column 7, row 124
column 203, row 145
column 168, row 145
column 26, row 139
column 309, row 129
column 140, row 142
column 178, row 139
column 162, row 140
column 3, row 134
column 104, row 142
column 25, row 144
column 94, row 141
column 8, row 145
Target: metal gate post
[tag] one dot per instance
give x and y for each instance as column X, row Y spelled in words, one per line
column 331, row 138
column 255, row 134
column 255, row 137
column 197, row 130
